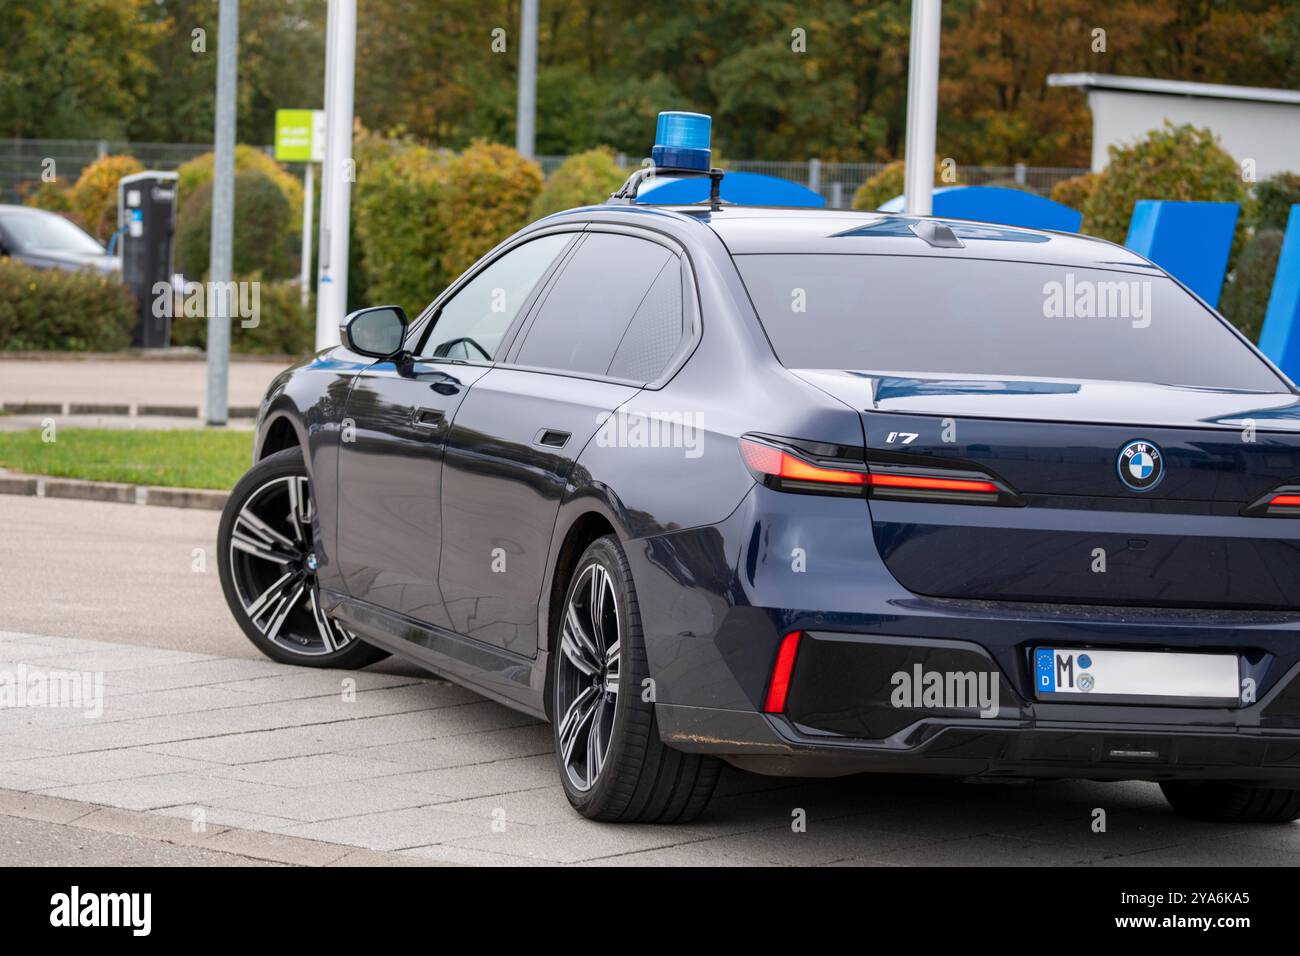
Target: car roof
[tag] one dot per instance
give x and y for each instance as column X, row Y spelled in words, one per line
column 27, row 210
column 751, row 230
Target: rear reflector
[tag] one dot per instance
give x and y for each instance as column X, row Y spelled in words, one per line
column 779, row 686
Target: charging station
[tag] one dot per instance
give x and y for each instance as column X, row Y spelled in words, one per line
column 146, row 221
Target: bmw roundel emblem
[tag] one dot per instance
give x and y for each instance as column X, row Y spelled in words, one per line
column 1141, row 465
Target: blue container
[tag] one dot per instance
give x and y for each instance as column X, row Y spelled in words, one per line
column 682, row 141
column 1189, row 240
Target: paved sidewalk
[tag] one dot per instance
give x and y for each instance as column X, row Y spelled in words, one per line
column 425, row 770
column 158, row 382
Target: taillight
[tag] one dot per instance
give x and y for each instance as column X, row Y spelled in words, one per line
column 816, row 468
column 779, row 686
column 923, row 483
column 1281, row 502
column 782, row 470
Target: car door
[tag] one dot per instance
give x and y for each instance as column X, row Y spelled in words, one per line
column 397, row 419
column 606, row 325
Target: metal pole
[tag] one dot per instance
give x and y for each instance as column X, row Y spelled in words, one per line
column 223, row 215
column 308, row 189
column 336, row 172
column 526, row 110
column 922, row 108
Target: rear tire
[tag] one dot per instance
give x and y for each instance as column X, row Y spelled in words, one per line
column 1222, row 802
column 267, row 556
column 613, row 766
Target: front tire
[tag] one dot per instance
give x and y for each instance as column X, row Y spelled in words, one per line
column 1222, row 802
column 613, row 766
column 266, row 542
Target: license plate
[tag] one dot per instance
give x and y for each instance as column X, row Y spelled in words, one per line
column 1062, row 672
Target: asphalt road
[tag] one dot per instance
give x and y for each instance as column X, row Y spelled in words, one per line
column 112, row 572
column 122, row 573
column 147, row 576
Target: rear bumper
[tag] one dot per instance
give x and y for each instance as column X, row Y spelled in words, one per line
column 716, row 602
column 997, row 748
column 841, row 720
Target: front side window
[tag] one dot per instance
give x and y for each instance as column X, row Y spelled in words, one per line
column 471, row 325
column 33, row 233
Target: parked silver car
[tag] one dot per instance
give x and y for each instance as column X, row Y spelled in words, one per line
column 46, row 240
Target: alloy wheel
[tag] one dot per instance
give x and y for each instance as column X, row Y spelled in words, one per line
column 587, row 686
column 273, row 566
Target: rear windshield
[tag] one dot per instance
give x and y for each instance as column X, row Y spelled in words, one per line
column 992, row 317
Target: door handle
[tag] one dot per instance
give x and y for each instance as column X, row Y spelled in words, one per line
column 427, row 417
column 552, row 438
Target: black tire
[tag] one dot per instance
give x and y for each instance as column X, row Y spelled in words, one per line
column 301, row 635
column 641, row 780
column 1222, row 802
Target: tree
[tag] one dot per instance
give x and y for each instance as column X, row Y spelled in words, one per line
column 75, row 69
column 1176, row 162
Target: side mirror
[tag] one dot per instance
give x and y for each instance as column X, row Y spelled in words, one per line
column 376, row 332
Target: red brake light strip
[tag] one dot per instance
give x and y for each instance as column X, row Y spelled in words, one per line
column 779, row 686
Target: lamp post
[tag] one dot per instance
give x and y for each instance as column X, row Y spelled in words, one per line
column 223, row 215
column 922, row 108
column 336, row 172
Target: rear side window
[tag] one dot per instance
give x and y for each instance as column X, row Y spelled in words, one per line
column 656, row 329
column 992, row 317
column 616, row 309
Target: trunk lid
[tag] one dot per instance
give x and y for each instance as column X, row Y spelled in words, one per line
column 1160, row 525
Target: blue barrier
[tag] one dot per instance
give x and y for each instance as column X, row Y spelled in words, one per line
column 1189, row 240
column 1280, row 337
column 743, row 189
column 1007, row 207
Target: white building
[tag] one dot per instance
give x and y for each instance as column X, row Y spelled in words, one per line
column 1251, row 122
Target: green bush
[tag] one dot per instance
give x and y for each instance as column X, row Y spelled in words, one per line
column 1176, row 162
column 52, row 197
column 1245, row 297
column 262, row 235
column 283, row 326
column 197, row 173
column 93, row 198
column 888, row 183
column 1270, row 208
column 69, row 311
column 1074, row 192
column 581, row 180
column 486, row 196
column 398, row 227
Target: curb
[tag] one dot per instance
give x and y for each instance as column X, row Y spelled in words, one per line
column 43, row 486
column 98, row 408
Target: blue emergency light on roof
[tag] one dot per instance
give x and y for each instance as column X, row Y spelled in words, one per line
column 682, row 141
column 681, row 173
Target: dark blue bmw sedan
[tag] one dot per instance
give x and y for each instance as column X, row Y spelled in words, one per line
column 808, row 492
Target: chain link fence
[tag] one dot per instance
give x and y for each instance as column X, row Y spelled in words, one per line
column 22, row 162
